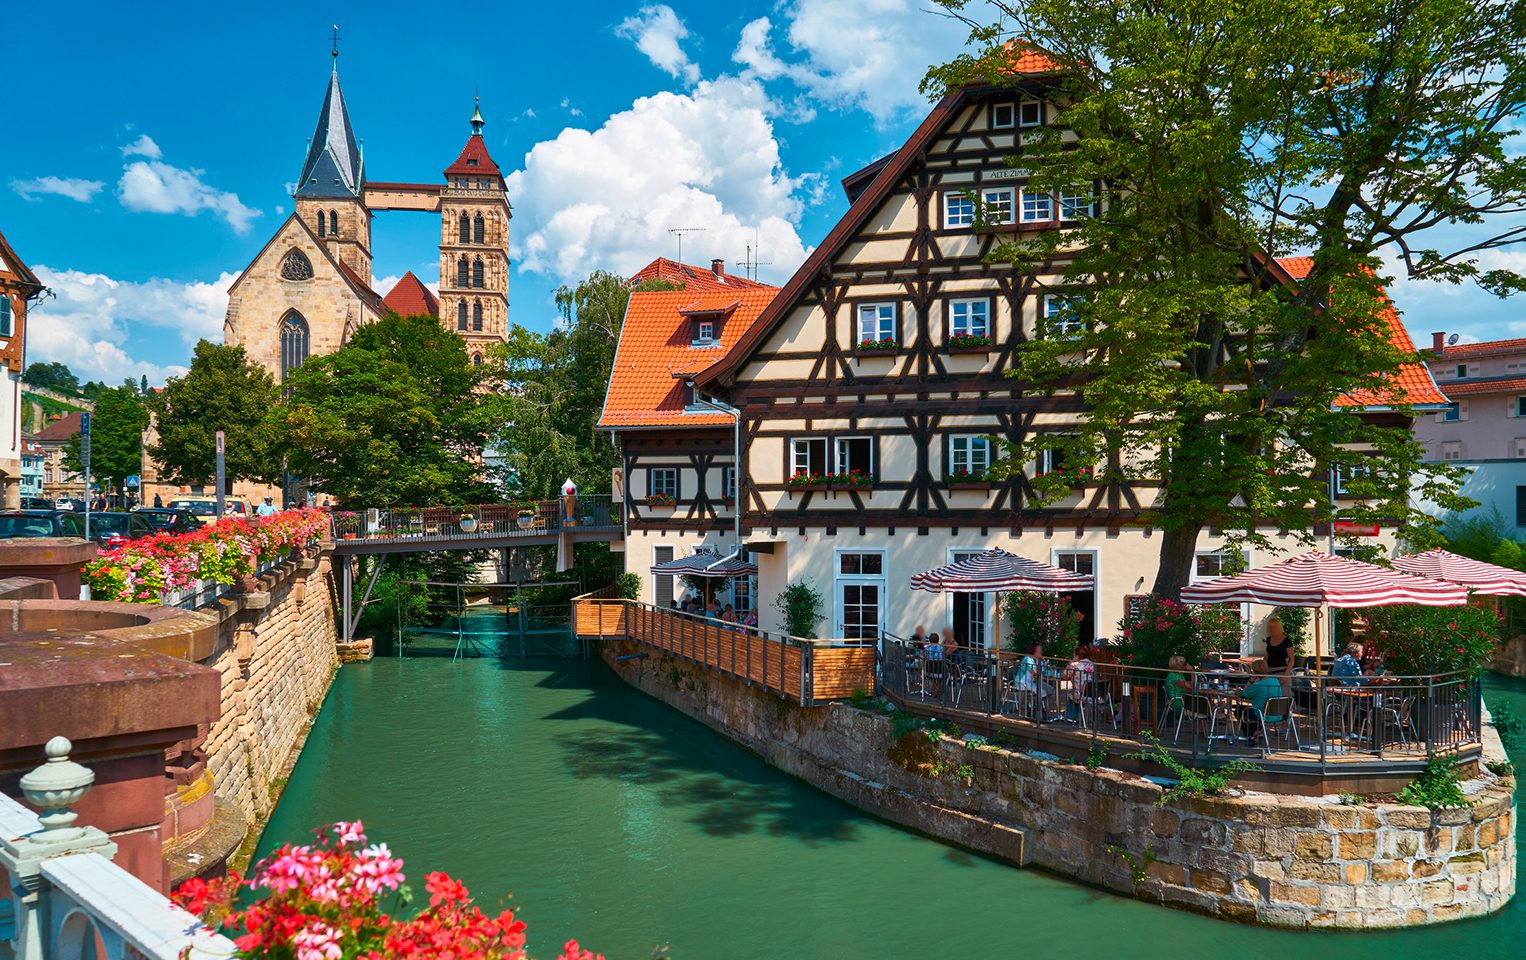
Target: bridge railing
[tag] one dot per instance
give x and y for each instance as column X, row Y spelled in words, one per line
column 491, row 521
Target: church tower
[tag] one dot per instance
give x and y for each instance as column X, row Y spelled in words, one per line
column 330, row 193
column 474, row 246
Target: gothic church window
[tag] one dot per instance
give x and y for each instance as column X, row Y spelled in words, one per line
column 333, row 223
column 323, row 229
column 461, row 315
column 477, row 315
column 294, row 342
column 465, row 229
column 463, row 273
column 476, row 359
column 296, row 266
column 479, row 229
column 477, row 273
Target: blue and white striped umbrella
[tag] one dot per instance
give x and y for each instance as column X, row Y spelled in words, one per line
column 997, row 571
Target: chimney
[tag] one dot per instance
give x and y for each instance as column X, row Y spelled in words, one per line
column 1438, row 343
column 718, row 267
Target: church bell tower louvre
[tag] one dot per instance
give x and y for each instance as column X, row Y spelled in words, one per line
column 474, row 245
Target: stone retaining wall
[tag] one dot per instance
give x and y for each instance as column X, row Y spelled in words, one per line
column 1274, row 860
column 1510, row 656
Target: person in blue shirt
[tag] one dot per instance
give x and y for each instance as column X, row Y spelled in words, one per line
column 935, row 666
column 266, row 509
column 1258, row 693
column 1348, row 666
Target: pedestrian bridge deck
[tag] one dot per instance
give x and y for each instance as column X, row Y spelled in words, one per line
column 484, row 527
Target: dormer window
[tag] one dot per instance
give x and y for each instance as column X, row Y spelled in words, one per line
column 1003, row 116
column 704, row 331
column 471, row 161
column 1030, row 113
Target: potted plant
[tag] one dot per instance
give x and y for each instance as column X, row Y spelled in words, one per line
column 524, row 513
column 468, row 523
column 877, row 347
column 804, row 481
column 852, row 480
column 969, row 343
column 659, row 500
column 967, row 480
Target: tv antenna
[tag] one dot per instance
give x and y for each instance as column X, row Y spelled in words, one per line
column 679, row 233
column 750, row 264
column 1452, row 340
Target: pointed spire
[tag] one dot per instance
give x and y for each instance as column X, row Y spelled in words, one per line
column 332, row 167
column 477, row 120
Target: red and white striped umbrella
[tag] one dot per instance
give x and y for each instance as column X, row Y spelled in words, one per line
column 996, row 571
column 705, row 563
column 1316, row 578
column 1486, row 578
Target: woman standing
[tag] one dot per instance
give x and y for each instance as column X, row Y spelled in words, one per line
column 1279, row 655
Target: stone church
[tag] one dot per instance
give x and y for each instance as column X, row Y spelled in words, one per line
column 309, row 287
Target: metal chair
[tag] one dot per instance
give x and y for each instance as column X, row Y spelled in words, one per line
column 1278, row 711
column 1196, row 706
column 1398, row 711
column 1094, row 693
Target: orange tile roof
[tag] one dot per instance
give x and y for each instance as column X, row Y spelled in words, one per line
column 1488, row 348
column 695, row 279
column 1023, row 57
column 655, row 345
column 1412, row 385
column 1475, row 388
column 409, row 297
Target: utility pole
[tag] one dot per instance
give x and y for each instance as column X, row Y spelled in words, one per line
column 84, row 457
column 222, row 472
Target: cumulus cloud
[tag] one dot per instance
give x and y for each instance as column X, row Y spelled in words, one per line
column 88, row 322
column 1462, row 308
column 606, row 198
column 151, row 185
column 868, row 54
column 72, row 187
column 658, row 33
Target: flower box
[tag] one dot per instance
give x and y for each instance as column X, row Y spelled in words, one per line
column 980, row 350
column 876, row 348
column 969, row 343
column 809, row 487
column 660, row 500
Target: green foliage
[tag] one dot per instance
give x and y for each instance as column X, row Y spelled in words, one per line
column 1436, row 786
column 1421, row 641
column 223, row 390
column 1507, row 723
column 1219, row 625
column 1500, row 768
column 51, row 376
column 1295, row 625
column 1046, row 618
column 1477, row 534
column 801, row 604
column 1350, row 799
column 1139, row 866
column 1163, row 629
column 1507, row 553
column 1190, row 781
column 399, row 416
column 1096, row 756
column 628, row 585
column 116, row 437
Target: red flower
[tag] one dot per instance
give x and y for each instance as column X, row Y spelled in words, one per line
column 443, row 889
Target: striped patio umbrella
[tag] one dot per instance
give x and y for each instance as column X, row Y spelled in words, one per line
column 706, row 564
column 1315, row 579
column 997, row 571
column 1485, row 578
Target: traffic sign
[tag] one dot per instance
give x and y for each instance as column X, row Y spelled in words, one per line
column 132, row 481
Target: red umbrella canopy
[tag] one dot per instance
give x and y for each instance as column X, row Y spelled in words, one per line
column 999, row 571
column 1316, row 578
column 1486, row 578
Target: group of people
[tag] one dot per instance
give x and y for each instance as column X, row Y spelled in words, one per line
column 693, row 603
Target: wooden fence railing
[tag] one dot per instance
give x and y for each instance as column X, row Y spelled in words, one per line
column 805, row 671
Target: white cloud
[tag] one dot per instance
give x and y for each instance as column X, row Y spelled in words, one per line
column 1462, row 308
column 605, row 199
column 72, row 187
column 144, row 146
column 567, row 105
column 869, row 54
column 87, row 324
column 659, row 33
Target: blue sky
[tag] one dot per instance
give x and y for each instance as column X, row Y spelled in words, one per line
column 163, row 145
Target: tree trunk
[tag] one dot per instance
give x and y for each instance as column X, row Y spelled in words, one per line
column 1178, row 547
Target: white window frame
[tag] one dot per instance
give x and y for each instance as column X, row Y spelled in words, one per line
column 706, row 332
column 879, row 314
column 1047, row 312
column 799, row 444
column 729, row 482
column 1038, row 202
column 1030, row 113
column 1077, row 203
column 996, row 116
column 1454, row 412
column 840, row 580
column 657, row 577
column 1520, row 448
column 1002, row 201
column 653, row 486
column 1056, row 557
column 1246, row 626
column 741, row 600
column 838, row 466
column 973, row 310
column 965, row 216
column 1451, row 450
column 1346, row 473
column 1044, row 463
column 971, row 442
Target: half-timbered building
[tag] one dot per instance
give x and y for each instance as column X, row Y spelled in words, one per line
column 866, row 390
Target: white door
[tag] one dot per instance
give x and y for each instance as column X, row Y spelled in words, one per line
column 860, row 595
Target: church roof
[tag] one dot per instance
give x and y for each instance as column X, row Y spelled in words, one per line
column 409, row 297
column 474, row 159
column 61, row 429
column 333, row 166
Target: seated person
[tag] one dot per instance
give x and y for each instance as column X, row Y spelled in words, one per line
column 914, row 645
column 1348, row 666
column 729, row 614
column 1176, row 681
column 1258, row 693
column 1079, row 672
column 934, row 652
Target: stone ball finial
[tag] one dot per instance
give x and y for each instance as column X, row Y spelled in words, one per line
column 56, row 786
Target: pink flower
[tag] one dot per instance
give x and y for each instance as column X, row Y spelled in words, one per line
column 318, row 942
column 351, row 832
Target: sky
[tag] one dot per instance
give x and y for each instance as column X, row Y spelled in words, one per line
column 164, row 146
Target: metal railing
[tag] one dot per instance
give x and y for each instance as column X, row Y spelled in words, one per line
column 493, row 521
column 1301, row 718
column 206, row 592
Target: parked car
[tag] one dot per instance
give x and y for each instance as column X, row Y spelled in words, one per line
column 204, row 508
column 169, row 520
column 37, row 503
column 64, row 503
column 113, row 528
column 41, row 523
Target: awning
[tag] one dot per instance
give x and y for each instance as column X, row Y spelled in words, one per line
column 1485, row 578
column 1315, row 579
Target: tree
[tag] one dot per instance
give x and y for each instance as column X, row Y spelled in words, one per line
column 116, row 438
column 398, row 416
column 223, row 390
column 93, row 389
column 1222, row 136
column 143, row 385
column 51, row 376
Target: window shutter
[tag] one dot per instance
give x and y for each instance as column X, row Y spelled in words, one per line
column 5, row 314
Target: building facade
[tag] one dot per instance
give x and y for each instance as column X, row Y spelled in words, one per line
column 883, row 360
column 19, row 286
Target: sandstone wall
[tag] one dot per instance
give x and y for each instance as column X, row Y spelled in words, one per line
column 1281, row 861
column 1510, row 656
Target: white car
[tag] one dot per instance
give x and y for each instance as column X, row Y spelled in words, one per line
column 63, row 503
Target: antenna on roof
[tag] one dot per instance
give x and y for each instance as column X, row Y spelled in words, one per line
column 750, row 265
column 679, row 233
column 1452, row 340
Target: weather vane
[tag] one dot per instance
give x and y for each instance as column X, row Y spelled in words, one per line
column 335, row 50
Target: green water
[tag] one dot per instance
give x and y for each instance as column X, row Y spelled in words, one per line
column 614, row 819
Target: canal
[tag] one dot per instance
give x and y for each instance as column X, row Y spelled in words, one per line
column 613, row 819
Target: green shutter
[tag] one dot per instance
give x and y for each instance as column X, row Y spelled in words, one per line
column 5, row 315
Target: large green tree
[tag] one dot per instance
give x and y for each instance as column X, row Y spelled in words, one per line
column 223, row 390
column 52, row 376
column 398, row 417
column 1219, row 136
column 116, row 437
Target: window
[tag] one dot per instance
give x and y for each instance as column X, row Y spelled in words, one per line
column 969, row 317
column 296, row 266
column 729, row 482
column 860, row 591
column 464, row 228
column 1520, row 448
column 1520, row 406
column 1050, row 460
column 1030, row 113
column 477, row 273
column 808, row 456
column 477, row 316
column 1037, row 207
column 958, row 210
column 1213, row 564
column 742, row 591
column 1455, row 411
column 323, row 229
column 333, row 223
column 855, row 454
column 476, row 359
column 293, row 342
column 1060, row 317
column 479, row 229
column 662, row 482
column 1462, row 370
column 461, row 315
column 876, row 322
column 704, row 331
column 662, row 583
column 463, row 273
column 969, row 609
column 1003, row 115
column 999, row 204
column 1520, row 506
column 5, row 315
column 970, row 455
column 1083, row 602
column 1077, row 203
column 1345, row 473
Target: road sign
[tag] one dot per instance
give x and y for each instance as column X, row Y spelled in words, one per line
column 132, row 481
column 1352, row 529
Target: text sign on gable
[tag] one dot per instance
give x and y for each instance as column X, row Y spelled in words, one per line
column 1006, row 173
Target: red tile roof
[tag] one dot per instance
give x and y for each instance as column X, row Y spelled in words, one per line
column 655, row 344
column 409, row 297
column 1023, row 57
column 359, row 285
column 474, row 159
column 61, row 429
column 1488, row 348
column 1475, row 388
column 695, row 279
column 1413, row 385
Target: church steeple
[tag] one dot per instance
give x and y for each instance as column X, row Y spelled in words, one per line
column 333, row 166
column 477, row 120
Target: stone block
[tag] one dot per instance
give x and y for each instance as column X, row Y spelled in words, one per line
column 1210, row 881
column 1249, row 890
column 1437, row 891
column 1408, row 818
column 1278, row 843
column 1317, row 872
column 1302, row 814
column 1356, row 874
column 1488, row 833
column 1237, row 912
column 1398, row 844
column 1269, row 870
column 1372, row 896
column 1168, row 873
column 1343, row 898
column 1446, row 911
column 1313, row 846
column 1465, row 863
column 1358, row 846
column 1164, row 823
column 1427, row 868
column 1294, row 893
column 1464, row 838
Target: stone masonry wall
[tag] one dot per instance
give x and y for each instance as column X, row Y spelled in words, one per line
column 1510, row 656
column 276, row 663
column 1274, row 860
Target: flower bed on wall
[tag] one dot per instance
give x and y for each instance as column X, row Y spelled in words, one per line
column 142, row 570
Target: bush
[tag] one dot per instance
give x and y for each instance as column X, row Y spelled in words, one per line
column 1045, row 618
column 1436, row 787
column 801, row 605
column 628, row 586
column 1220, row 626
column 1507, row 723
column 1421, row 641
column 1295, row 624
column 1163, row 629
